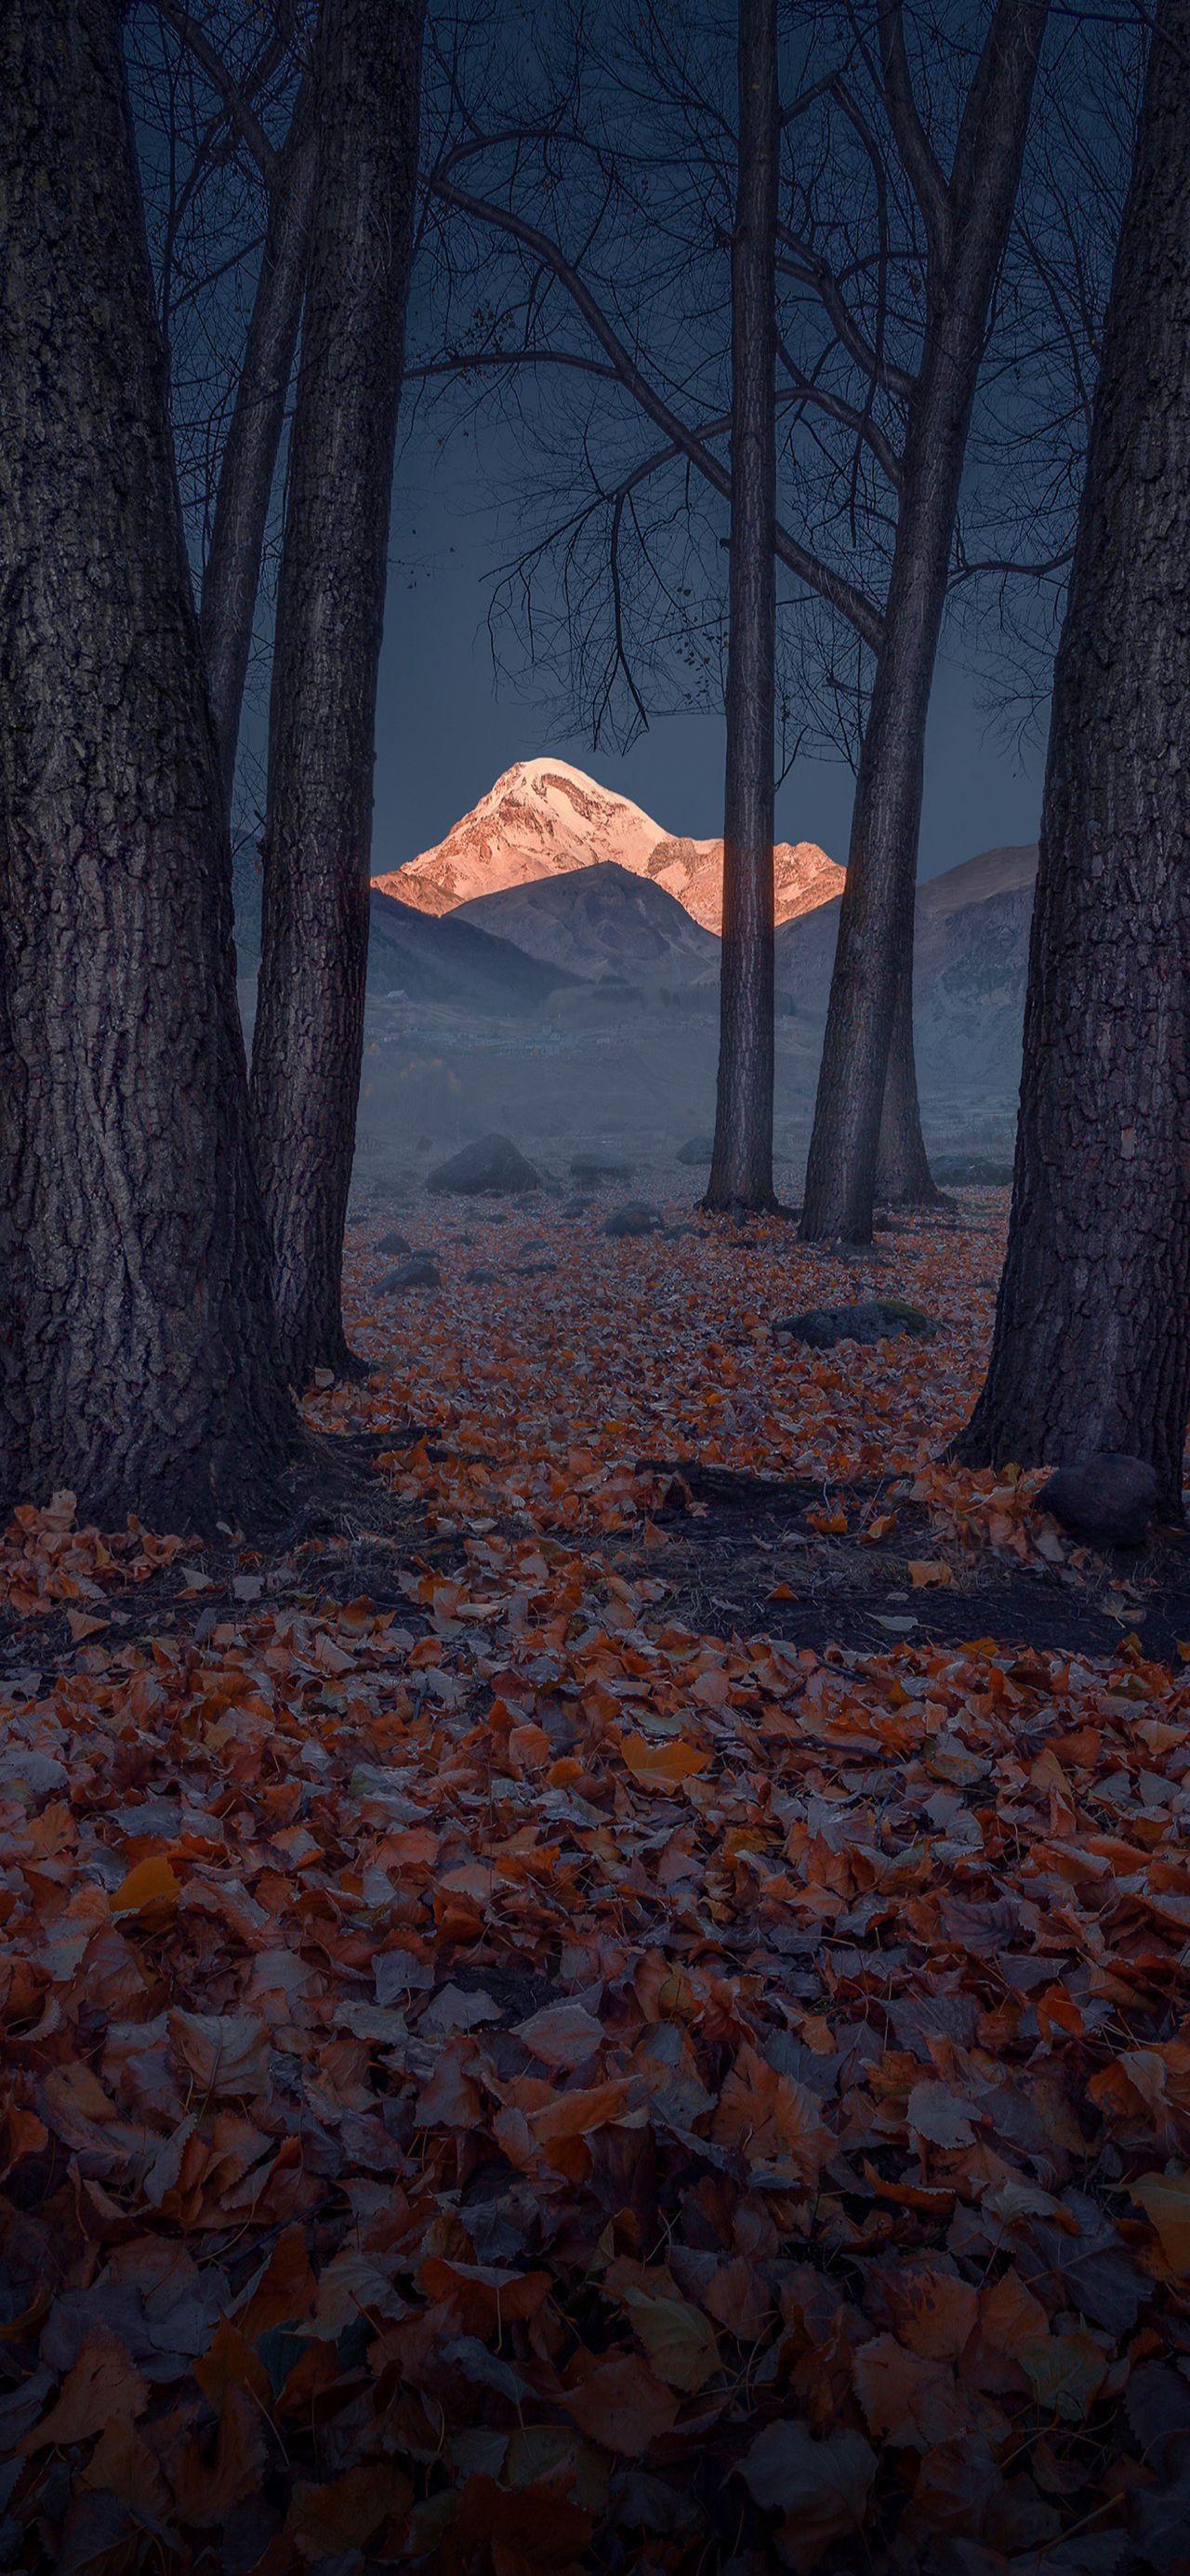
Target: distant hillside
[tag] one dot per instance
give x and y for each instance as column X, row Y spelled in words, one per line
column 451, row 961
column 971, row 956
column 544, row 819
column 993, row 872
column 600, row 921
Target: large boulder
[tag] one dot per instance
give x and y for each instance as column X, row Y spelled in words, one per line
column 872, row 1319
column 1107, row 1498
column 495, row 1163
column 697, row 1151
column 395, row 1245
column 636, row 1218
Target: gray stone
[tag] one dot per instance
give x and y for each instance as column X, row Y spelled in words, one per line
column 698, row 1150
column 396, row 1246
column 421, row 1271
column 636, row 1218
column 872, row 1319
column 1107, row 1498
column 479, row 1276
column 494, row 1163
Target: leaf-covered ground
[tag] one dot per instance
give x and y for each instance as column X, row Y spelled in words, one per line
column 508, row 2070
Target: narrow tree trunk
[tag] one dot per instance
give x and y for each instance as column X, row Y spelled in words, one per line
column 903, row 1175
column 309, row 1024
column 874, row 957
column 249, row 462
column 139, row 1365
column 742, row 1164
column 1092, row 1339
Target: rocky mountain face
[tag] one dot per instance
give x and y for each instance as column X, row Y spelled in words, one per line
column 545, row 819
column 692, row 871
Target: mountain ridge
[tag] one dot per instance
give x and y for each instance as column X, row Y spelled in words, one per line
column 543, row 818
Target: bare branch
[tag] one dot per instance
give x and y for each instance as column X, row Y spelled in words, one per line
column 811, row 269
column 238, row 109
column 834, row 587
column 920, row 162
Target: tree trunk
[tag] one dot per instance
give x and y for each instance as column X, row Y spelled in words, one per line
column 309, row 1024
column 231, row 580
column 742, row 1164
column 1092, row 1339
column 874, row 957
column 139, row 1363
column 903, row 1175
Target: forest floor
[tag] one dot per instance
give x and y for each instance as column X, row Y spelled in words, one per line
column 623, row 2008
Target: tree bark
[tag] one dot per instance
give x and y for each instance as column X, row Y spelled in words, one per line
column 139, row 1364
column 903, row 1175
column 874, row 959
column 1091, row 1348
column 244, row 490
column 309, row 1024
column 742, row 1164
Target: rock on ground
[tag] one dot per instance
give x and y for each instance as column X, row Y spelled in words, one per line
column 636, row 1218
column 396, row 1246
column 494, row 1163
column 1106, row 1497
column 698, row 1149
column 421, row 1271
column 872, row 1319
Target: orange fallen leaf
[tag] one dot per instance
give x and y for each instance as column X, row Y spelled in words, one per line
column 151, row 1883
column 662, row 1766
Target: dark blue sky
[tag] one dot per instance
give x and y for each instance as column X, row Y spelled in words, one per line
column 446, row 728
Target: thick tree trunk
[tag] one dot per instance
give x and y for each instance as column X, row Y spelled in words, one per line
column 309, row 1023
column 742, row 1164
column 248, row 468
column 139, row 1364
column 1092, row 1339
column 874, row 957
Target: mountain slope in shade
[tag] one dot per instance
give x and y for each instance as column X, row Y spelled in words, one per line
column 545, row 819
column 453, row 962
column 970, row 962
column 601, row 921
column 984, row 904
